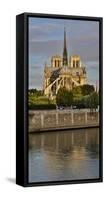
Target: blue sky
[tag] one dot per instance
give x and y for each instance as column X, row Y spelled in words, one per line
column 46, row 39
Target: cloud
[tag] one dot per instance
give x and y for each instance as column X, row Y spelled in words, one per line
column 46, row 48
column 36, row 77
column 46, row 40
column 88, row 49
column 92, row 68
column 43, row 32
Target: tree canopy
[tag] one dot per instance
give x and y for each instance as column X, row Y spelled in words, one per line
column 64, row 97
column 80, row 97
column 83, row 90
column 87, row 89
column 93, row 100
column 35, row 92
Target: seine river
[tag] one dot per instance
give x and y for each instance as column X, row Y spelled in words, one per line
column 64, row 155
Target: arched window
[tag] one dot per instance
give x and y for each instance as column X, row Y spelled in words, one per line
column 77, row 73
column 73, row 63
column 58, row 63
column 77, row 63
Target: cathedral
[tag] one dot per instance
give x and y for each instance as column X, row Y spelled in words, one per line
column 63, row 71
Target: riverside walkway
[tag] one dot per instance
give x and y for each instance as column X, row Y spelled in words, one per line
column 61, row 119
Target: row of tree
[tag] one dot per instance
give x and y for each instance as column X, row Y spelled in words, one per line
column 35, row 92
column 83, row 90
column 80, row 97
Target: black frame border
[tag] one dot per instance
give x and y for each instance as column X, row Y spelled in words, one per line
column 22, row 98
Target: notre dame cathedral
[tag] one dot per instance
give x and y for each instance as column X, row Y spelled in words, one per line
column 63, row 72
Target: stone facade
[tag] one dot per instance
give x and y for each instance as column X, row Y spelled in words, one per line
column 59, row 119
column 63, row 72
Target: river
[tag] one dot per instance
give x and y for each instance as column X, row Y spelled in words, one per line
column 64, row 155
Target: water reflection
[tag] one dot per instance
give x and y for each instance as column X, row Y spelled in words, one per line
column 65, row 155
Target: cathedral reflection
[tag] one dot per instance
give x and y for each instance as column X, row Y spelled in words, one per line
column 75, row 141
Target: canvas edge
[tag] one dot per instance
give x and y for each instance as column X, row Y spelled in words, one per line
column 23, row 180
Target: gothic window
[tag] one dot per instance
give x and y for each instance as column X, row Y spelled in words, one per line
column 58, row 63
column 73, row 63
column 55, row 63
column 77, row 63
column 77, row 73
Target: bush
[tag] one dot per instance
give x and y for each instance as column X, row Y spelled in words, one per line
column 93, row 100
column 64, row 97
column 77, row 92
column 90, row 101
column 79, row 103
column 83, row 90
column 87, row 89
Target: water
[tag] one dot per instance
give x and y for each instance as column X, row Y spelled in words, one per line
column 64, row 155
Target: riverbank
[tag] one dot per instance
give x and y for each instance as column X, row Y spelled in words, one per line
column 41, row 121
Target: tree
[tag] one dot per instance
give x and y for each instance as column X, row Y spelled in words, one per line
column 64, row 97
column 79, row 103
column 87, row 89
column 93, row 100
column 35, row 92
column 77, row 91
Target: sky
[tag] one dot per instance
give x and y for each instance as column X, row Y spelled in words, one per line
column 46, row 38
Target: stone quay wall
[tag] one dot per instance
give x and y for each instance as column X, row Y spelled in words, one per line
column 61, row 119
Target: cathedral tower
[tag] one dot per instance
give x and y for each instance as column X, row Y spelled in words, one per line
column 65, row 58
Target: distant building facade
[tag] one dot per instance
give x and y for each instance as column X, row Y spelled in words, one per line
column 64, row 71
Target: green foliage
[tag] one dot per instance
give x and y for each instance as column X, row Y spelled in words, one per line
column 93, row 100
column 64, row 97
column 83, row 90
column 77, row 91
column 35, row 92
column 89, row 101
column 79, row 103
column 80, row 97
column 87, row 89
column 38, row 101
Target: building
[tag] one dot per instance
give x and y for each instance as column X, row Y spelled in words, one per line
column 63, row 71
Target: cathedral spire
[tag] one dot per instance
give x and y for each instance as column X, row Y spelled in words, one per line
column 65, row 59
